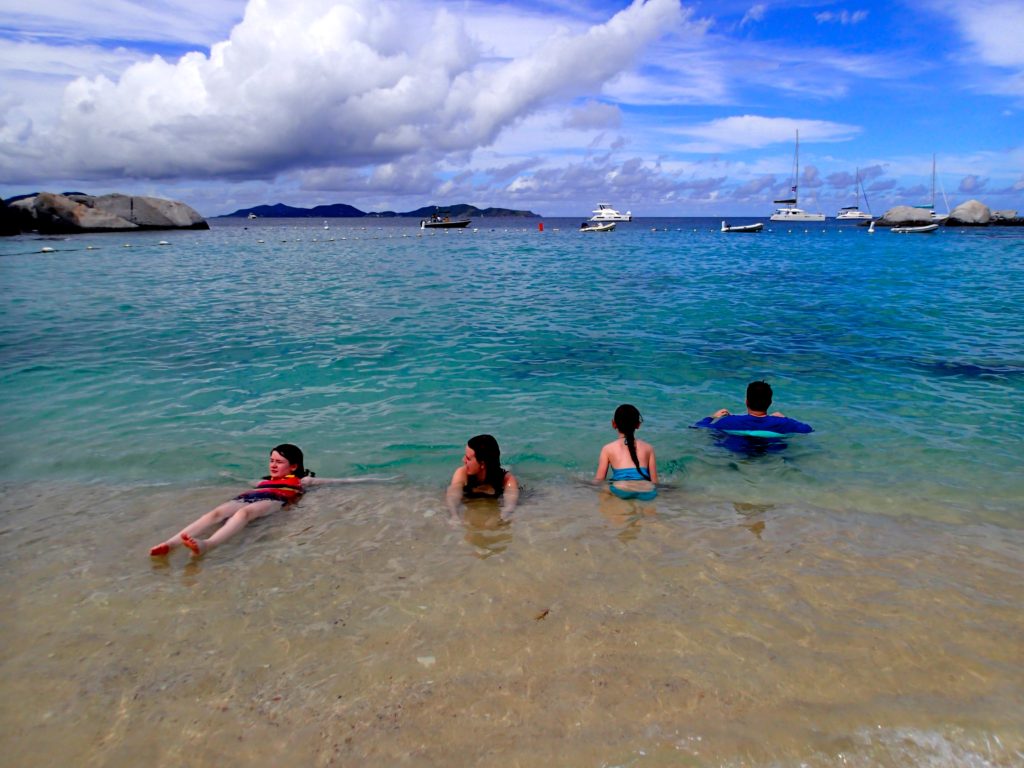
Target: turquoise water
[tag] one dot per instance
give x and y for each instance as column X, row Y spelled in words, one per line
column 852, row 600
column 377, row 349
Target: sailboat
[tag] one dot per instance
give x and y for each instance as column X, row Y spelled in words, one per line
column 789, row 211
column 936, row 217
column 853, row 212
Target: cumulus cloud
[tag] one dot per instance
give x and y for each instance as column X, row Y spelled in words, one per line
column 972, row 184
column 333, row 83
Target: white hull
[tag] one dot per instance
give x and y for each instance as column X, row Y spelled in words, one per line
column 742, row 227
column 604, row 212
column 915, row 230
column 795, row 214
column 604, row 226
column 789, row 210
column 853, row 214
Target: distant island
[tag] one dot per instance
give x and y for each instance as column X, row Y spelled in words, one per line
column 343, row 211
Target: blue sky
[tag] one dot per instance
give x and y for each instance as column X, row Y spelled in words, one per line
column 661, row 107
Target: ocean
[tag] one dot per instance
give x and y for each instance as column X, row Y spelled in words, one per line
column 853, row 598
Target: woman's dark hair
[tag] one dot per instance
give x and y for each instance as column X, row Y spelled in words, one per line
column 627, row 419
column 487, row 451
column 293, row 455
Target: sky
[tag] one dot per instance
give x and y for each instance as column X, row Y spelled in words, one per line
column 661, row 107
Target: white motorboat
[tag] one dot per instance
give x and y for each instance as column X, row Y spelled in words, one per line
column 789, row 210
column 742, row 227
column 605, row 212
column 853, row 212
column 252, row 216
column 915, row 230
column 597, row 226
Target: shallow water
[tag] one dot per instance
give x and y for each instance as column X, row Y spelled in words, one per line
column 852, row 600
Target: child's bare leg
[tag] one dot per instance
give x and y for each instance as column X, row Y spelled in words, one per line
column 241, row 518
column 208, row 520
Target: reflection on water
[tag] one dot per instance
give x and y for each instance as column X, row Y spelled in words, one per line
column 584, row 630
column 488, row 531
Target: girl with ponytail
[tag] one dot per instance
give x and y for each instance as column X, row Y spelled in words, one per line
column 631, row 461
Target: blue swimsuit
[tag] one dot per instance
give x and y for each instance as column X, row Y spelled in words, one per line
column 630, row 473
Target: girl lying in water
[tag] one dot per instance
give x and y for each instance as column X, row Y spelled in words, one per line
column 285, row 484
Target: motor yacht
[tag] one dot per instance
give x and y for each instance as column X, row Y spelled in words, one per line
column 605, row 212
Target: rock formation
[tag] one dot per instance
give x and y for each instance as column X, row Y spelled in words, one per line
column 8, row 221
column 904, row 216
column 50, row 213
column 969, row 214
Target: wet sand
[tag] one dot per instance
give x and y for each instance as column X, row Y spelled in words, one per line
column 363, row 627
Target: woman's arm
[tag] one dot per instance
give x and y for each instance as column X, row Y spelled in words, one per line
column 511, row 494
column 453, row 496
column 652, row 467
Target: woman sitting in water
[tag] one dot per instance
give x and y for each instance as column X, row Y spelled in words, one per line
column 634, row 471
column 481, row 475
column 286, row 483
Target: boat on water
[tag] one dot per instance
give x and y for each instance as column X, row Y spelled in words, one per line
column 936, row 217
column 915, row 230
column 597, row 226
column 605, row 212
column 742, row 227
column 789, row 210
column 253, row 216
column 437, row 221
column 853, row 212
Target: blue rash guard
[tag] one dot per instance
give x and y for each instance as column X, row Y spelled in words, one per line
column 755, row 426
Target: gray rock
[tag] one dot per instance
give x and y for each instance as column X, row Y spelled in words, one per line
column 8, row 221
column 969, row 214
column 905, row 215
column 51, row 213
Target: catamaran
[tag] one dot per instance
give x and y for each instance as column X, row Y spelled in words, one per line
column 853, row 212
column 789, row 211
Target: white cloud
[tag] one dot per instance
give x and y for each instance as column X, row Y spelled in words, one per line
column 843, row 17
column 756, row 13
column 992, row 30
column 327, row 82
column 166, row 21
column 754, row 132
column 594, row 115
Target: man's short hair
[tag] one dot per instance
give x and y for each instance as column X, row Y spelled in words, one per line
column 759, row 395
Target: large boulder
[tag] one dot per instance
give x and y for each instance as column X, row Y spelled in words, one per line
column 904, row 216
column 969, row 214
column 9, row 224
column 50, row 213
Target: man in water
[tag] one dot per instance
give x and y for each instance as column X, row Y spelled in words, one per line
column 756, row 420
